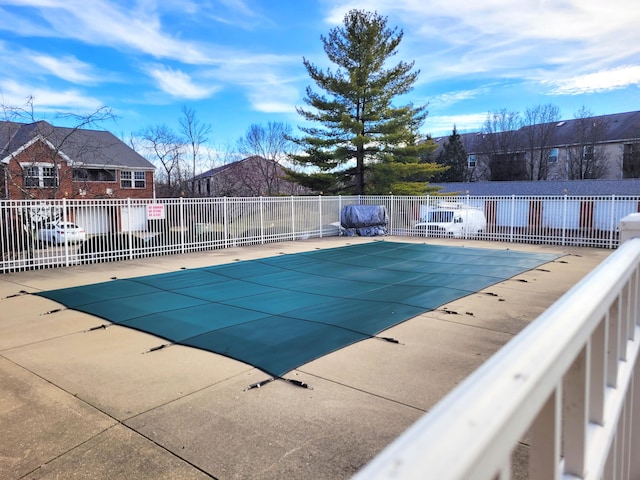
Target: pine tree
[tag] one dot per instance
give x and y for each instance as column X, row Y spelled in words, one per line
column 454, row 157
column 364, row 143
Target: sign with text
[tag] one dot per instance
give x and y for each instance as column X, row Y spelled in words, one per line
column 155, row 211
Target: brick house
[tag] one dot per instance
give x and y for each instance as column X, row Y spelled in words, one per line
column 41, row 161
column 250, row 177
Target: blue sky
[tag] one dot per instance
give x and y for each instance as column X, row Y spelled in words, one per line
column 239, row 62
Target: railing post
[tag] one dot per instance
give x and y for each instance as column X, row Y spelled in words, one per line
column 262, row 220
column 391, row 214
column 66, row 243
column 576, row 409
column 225, row 222
column 293, row 218
column 612, row 222
column 546, row 439
column 513, row 217
column 320, row 214
column 426, row 230
column 129, row 234
column 182, row 225
column 564, row 220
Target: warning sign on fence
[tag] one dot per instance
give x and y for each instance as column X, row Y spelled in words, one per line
column 155, row 211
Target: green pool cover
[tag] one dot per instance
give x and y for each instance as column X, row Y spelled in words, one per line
column 281, row 312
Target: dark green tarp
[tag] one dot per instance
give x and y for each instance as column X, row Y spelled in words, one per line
column 281, row 312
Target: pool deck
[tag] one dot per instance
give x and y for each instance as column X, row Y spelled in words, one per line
column 83, row 402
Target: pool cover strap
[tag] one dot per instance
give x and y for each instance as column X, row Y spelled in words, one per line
column 281, row 312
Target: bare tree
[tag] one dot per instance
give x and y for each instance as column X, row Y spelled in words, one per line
column 195, row 133
column 500, row 146
column 539, row 131
column 163, row 145
column 587, row 158
column 271, row 144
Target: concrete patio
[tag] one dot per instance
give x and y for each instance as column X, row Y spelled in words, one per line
column 78, row 401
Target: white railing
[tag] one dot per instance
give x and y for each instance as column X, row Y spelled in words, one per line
column 130, row 228
column 567, row 389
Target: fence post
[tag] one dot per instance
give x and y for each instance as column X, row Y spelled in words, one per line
column 391, row 215
column 225, row 222
column 261, row 219
column 564, row 220
column 320, row 214
column 65, row 218
column 513, row 217
column 426, row 230
column 182, row 225
column 129, row 234
column 612, row 222
column 293, row 218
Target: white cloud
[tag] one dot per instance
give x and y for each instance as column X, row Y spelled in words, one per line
column 503, row 38
column 16, row 94
column 178, row 84
column 442, row 125
column 104, row 22
column 601, row 81
column 266, row 80
column 450, row 98
column 23, row 64
column 272, row 93
column 568, row 19
column 67, row 68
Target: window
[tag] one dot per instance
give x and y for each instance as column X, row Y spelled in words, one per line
column 139, row 180
column 93, row 175
column 49, row 177
column 125, row 179
column 587, row 152
column 471, row 161
column 553, row 155
column 508, row 166
column 40, row 176
column 32, row 177
column 631, row 161
column 132, row 179
column 440, row 216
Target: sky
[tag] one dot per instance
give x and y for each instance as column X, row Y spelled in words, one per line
column 237, row 63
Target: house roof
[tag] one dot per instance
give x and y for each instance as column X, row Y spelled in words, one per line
column 215, row 171
column 85, row 148
column 630, row 186
column 618, row 127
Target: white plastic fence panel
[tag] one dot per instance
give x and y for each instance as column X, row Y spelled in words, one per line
column 555, row 380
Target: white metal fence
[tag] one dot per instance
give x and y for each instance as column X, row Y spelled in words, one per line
column 127, row 228
column 567, row 388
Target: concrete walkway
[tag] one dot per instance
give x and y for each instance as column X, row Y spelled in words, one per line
column 81, row 402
